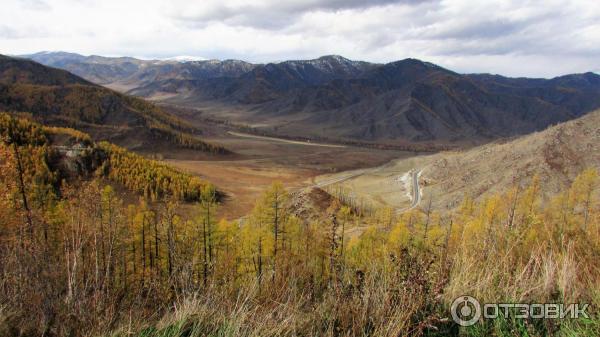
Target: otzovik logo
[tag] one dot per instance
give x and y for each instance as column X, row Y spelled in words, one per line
column 466, row 310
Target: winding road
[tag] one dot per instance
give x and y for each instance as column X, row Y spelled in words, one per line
column 416, row 196
column 416, row 189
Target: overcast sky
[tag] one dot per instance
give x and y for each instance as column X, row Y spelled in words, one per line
column 516, row 38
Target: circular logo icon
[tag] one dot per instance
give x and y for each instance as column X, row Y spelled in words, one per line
column 465, row 310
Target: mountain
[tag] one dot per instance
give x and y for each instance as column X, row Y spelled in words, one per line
column 417, row 101
column 263, row 83
column 556, row 155
column 570, row 91
column 408, row 100
column 336, row 98
column 185, row 58
column 128, row 72
column 57, row 97
column 164, row 71
column 97, row 69
column 13, row 70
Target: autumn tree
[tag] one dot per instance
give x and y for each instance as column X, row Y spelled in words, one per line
column 206, row 228
column 583, row 189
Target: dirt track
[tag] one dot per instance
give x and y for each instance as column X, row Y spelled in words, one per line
column 281, row 140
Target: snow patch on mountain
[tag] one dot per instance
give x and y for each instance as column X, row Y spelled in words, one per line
column 185, row 58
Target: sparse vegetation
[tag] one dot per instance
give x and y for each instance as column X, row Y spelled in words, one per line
column 84, row 106
column 357, row 204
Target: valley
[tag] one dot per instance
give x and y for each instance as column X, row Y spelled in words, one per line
column 258, row 161
column 278, row 136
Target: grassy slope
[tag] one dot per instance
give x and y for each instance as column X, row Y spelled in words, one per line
column 556, row 154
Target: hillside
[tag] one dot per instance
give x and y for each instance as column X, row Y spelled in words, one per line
column 13, row 70
column 56, row 154
column 296, row 262
column 556, row 155
column 59, row 98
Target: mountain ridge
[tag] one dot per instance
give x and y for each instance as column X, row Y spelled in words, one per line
column 334, row 97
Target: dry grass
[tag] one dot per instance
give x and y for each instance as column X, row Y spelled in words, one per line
column 243, row 181
column 379, row 307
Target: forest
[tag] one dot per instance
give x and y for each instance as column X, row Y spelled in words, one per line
column 152, row 179
column 42, row 145
column 78, row 259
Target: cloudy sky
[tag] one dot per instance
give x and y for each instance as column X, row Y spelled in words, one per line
column 516, row 37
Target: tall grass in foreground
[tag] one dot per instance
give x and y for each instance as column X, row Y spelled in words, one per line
column 374, row 306
column 516, row 249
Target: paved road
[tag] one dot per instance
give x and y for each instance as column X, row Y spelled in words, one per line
column 416, row 189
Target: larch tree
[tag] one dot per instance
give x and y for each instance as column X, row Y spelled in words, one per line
column 206, row 224
column 583, row 189
column 269, row 211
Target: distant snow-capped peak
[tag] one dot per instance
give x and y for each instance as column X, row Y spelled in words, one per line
column 185, row 58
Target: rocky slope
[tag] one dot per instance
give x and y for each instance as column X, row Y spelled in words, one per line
column 407, row 100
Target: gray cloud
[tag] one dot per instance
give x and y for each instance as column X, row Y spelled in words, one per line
column 512, row 37
column 491, row 29
column 272, row 14
column 38, row 5
column 10, row 33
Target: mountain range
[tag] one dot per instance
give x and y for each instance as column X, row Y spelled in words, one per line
column 129, row 72
column 336, row 98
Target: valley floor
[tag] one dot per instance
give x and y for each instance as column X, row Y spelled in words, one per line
column 261, row 160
